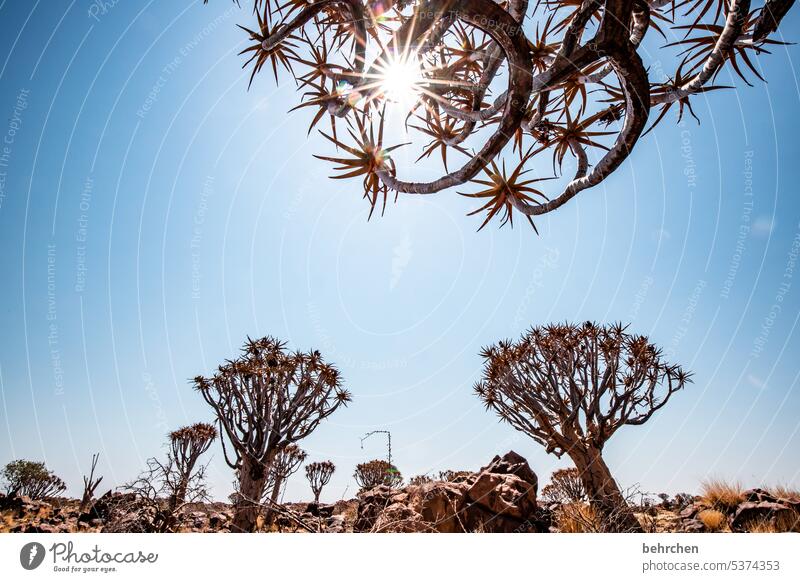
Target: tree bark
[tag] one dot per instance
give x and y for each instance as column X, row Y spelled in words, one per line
column 604, row 494
column 269, row 515
column 252, row 477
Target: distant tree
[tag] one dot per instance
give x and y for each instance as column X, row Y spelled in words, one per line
column 187, row 444
column 90, row 484
column 377, row 472
column 319, row 475
column 32, row 479
column 287, row 462
column 571, row 387
column 565, row 486
column 264, row 401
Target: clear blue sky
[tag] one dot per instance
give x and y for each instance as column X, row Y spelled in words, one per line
column 154, row 213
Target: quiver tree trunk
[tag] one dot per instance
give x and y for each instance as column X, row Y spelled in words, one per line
column 603, row 491
column 252, row 478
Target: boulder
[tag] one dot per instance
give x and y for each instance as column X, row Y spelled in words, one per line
column 501, row 497
column 750, row 512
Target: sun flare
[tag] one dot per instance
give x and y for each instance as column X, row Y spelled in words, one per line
column 401, row 80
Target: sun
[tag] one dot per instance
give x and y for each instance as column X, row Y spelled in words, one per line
column 401, row 80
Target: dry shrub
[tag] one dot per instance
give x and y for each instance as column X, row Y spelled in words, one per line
column 722, row 495
column 784, row 492
column 782, row 522
column 712, row 519
column 577, row 518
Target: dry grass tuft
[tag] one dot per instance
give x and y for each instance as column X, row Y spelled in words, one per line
column 713, row 519
column 784, row 492
column 577, row 518
column 722, row 495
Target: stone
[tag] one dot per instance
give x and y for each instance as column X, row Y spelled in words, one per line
column 750, row 512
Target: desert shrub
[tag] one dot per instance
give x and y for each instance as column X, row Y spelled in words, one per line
column 420, row 480
column 565, row 486
column 712, row 519
column 31, row 478
column 722, row 495
column 377, row 472
column 453, row 476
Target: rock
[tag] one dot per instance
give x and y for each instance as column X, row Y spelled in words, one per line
column 501, row 497
column 320, row 509
column 216, row 520
column 760, row 511
column 691, row 510
column 11, row 503
column 693, row 526
column 336, row 524
column 506, row 490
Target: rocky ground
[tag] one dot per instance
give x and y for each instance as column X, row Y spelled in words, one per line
column 500, row 497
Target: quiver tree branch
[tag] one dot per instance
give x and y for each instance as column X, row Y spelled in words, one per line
column 537, row 63
column 571, row 387
column 265, row 400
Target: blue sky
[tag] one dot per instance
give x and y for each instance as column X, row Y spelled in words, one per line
column 154, row 213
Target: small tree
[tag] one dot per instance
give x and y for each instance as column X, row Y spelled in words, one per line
column 266, row 400
column 319, row 475
column 187, row 444
column 571, row 387
column 32, row 479
column 566, row 486
column 287, row 461
column 377, row 472
column 90, row 484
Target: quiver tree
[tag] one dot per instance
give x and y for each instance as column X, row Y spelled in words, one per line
column 287, row 462
column 377, row 472
column 165, row 487
column 90, row 485
column 32, row 479
column 187, row 444
column 265, row 400
column 570, row 387
column 561, row 79
column 318, row 475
